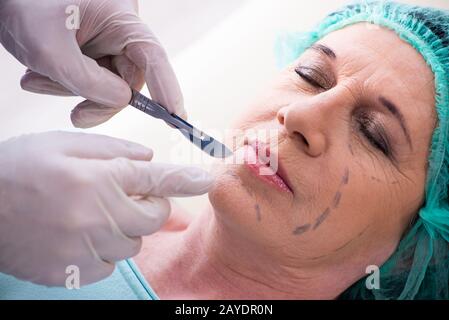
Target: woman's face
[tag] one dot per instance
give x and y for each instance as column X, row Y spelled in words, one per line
column 355, row 115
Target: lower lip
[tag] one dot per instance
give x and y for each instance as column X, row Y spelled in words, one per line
column 270, row 177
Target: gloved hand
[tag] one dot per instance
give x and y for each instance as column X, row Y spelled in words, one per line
column 84, row 200
column 111, row 40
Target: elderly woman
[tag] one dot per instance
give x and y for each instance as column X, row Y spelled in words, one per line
column 362, row 178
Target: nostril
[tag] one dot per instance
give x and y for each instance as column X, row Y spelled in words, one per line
column 301, row 138
column 281, row 118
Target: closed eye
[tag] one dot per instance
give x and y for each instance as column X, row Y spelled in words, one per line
column 314, row 77
column 307, row 74
column 374, row 133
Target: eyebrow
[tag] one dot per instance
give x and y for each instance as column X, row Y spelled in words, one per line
column 391, row 107
column 321, row 48
column 394, row 110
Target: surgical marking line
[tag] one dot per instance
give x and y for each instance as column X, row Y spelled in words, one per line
column 258, row 214
column 301, row 229
column 322, row 217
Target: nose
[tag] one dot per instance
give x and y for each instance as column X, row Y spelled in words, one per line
column 306, row 125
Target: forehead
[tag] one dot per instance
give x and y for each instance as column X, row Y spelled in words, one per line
column 379, row 61
column 370, row 51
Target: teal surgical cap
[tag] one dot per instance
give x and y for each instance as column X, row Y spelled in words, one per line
column 419, row 267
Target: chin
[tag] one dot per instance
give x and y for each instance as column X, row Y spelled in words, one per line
column 234, row 202
column 230, row 198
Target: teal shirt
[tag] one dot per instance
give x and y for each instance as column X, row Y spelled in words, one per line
column 125, row 283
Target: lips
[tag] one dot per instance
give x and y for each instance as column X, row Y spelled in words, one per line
column 265, row 164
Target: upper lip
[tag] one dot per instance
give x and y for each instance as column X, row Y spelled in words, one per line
column 257, row 145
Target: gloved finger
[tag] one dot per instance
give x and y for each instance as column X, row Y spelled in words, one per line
column 113, row 245
column 37, row 83
column 129, row 72
column 96, row 268
column 157, row 210
column 83, row 76
column 96, row 146
column 96, row 271
column 88, row 114
column 159, row 179
column 159, row 75
column 140, row 45
column 137, row 217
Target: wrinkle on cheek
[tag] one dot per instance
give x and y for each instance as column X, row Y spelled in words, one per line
column 391, row 195
column 351, row 240
column 382, row 164
column 344, row 245
column 390, row 185
column 381, row 170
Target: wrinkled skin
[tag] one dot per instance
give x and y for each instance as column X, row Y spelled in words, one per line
column 352, row 199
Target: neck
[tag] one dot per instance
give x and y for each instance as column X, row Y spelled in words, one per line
column 208, row 261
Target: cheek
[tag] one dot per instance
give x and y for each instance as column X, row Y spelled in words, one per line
column 368, row 220
column 337, row 201
column 231, row 201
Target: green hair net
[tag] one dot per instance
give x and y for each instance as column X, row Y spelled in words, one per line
column 419, row 267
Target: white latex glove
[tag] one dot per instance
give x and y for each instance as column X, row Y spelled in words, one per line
column 111, row 40
column 84, row 200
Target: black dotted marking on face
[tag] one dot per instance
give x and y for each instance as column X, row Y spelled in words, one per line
column 321, row 218
column 345, row 178
column 336, row 201
column 301, row 229
column 258, row 214
column 375, row 179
